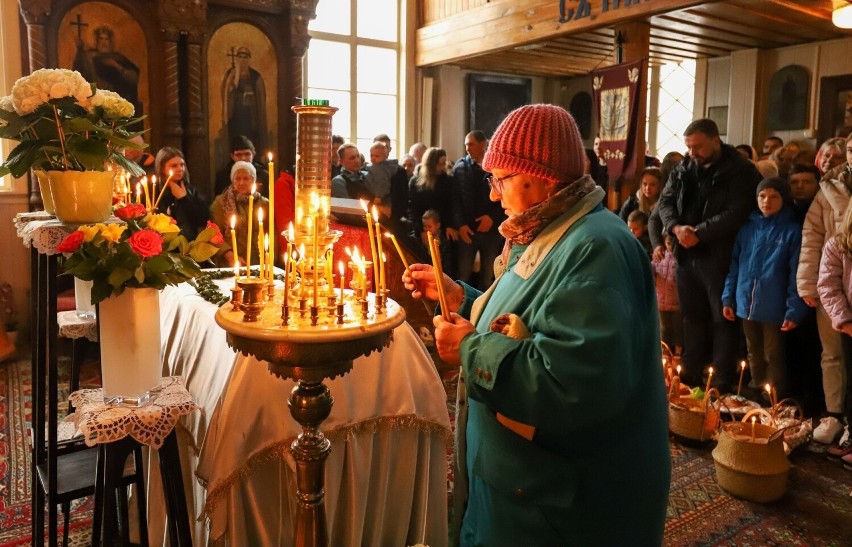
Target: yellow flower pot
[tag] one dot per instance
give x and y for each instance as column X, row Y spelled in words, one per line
column 81, row 197
column 44, row 190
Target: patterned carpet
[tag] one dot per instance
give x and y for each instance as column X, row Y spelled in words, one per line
column 15, row 472
column 816, row 510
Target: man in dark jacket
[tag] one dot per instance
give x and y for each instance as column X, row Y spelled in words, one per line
column 481, row 216
column 706, row 201
column 242, row 149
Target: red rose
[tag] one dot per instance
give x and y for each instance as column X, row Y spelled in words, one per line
column 217, row 237
column 146, row 243
column 71, row 243
column 131, row 211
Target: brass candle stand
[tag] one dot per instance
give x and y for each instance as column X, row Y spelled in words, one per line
column 310, row 349
column 310, row 354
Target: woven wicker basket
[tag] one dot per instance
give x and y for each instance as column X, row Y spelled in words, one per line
column 694, row 419
column 755, row 470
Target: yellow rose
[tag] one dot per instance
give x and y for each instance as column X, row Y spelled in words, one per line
column 89, row 232
column 112, row 232
column 163, row 224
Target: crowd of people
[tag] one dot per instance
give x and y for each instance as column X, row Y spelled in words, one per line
column 735, row 237
column 737, row 256
column 426, row 192
column 750, row 250
column 751, row 258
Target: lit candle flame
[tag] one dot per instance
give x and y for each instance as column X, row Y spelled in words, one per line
column 269, row 155
column 364, row 205
column 233, row 221
column 259, row 215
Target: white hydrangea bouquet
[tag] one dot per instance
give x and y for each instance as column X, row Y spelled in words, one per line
column 64, row 123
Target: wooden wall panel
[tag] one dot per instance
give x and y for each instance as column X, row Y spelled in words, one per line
column 436, row 10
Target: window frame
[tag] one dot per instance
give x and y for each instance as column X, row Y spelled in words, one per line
column 352, row 40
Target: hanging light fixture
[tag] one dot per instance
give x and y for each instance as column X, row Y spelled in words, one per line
column 841, row 16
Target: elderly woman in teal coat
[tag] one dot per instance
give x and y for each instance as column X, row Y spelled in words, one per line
column 566, row 436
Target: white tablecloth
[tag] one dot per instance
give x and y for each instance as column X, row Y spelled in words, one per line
column 385, row 477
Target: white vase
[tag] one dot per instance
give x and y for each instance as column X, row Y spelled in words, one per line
column 131, row 364
column 83, row 299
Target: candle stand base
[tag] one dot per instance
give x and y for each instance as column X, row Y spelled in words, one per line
column 309, row 355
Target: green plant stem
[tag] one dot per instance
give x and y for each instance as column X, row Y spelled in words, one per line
column 46, row 155
column 61, row 136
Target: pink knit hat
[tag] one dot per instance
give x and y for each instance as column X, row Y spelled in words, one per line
column 541, row 140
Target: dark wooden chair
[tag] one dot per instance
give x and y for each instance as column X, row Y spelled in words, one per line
column 62, row 470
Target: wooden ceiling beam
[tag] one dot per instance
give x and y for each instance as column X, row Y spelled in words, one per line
column 718, row 34
column 713, row 46
column 774, row 20
column 505, row 24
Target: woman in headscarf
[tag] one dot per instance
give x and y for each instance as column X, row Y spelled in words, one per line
column 233, row 202
column 559, row 357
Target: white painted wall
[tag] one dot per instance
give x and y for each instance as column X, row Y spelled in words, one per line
column 747, row 75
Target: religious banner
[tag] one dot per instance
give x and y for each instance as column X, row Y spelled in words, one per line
column 616, row 97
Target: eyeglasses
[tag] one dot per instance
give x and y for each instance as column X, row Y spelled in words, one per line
column 497, row 184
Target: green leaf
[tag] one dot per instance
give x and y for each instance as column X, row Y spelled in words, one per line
column 118, row 276
column 80, row 125
column 15, row 125
column 101, row 290
column 126, row 164
column 91, row 153
column 200, row 251
column 159, row 264
column 20, row 159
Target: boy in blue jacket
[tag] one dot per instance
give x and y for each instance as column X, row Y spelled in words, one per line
column 761, row 284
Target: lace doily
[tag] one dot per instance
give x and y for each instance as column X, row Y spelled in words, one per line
column 149, row 425
column 45, row 232
column 73, row 326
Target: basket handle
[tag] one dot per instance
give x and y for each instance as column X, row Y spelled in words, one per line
column 777, row 409
column 709, row 396
column 788, row 402
column 674, row 389
column 666, row 351
column 763, row 413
